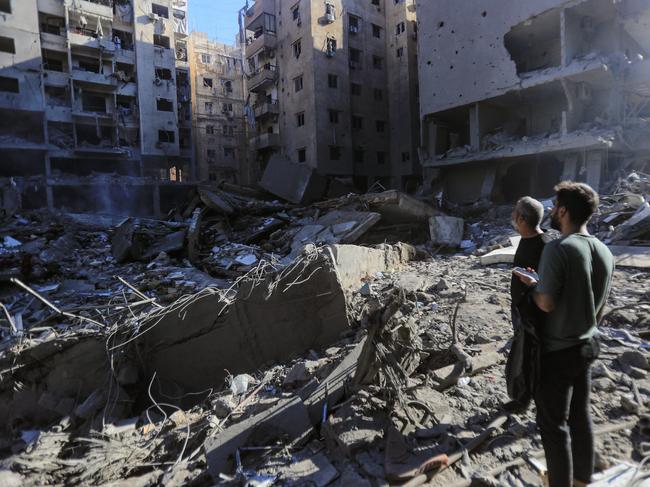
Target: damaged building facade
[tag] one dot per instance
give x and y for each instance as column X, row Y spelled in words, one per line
column 95, row 101
column 516, row 96
column 333, row 86
column 218, row 96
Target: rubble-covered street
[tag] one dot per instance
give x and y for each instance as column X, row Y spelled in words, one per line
column 357, row 341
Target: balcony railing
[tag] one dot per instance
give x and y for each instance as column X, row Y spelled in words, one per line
column 266, row 108
column 262, row 77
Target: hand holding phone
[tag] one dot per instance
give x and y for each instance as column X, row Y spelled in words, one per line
column 527, row 276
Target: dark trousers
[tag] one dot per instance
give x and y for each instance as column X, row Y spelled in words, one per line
column 564, row 416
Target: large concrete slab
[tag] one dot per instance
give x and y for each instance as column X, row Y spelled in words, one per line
column 297, row 183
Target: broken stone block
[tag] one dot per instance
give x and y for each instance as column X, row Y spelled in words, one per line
column 634, row 358
column 629, row 405
column 301, row 372
column 315, row 471
column 349, row 431
column 446, row 230
column 297, row 183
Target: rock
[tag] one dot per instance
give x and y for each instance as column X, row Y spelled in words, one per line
column 604, row 384
column 223, row 406
column 599, row 369
column 629, row 405
column 441, row 286
column 301, row 373
column 637, row 373
column 634, row 358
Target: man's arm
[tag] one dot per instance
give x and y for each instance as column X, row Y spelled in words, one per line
column 544, row 301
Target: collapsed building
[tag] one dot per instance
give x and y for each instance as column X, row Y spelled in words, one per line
column 95, row 86
column 516, row 96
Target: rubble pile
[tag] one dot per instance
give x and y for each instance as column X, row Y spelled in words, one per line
column 246, row 341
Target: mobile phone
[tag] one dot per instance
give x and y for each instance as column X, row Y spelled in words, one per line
column 524, row 272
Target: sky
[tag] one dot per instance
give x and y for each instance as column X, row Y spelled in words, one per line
column 217, row 18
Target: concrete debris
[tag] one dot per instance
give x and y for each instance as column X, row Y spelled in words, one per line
column 446, row 230
column 246, row 341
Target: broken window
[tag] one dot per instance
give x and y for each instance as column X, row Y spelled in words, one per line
column 52, row 61
column 164, row 74
column 161, row 41
column 207, row 82
column 378, row 94
column 377, row 62
column 209, row 129
column 357, row 122
column 51, row 24
column 381, row 158
column 297, row 48
column 359, row 156
column 206, row 59
column 93, row 103
column 335, row 152
column 334, row 116
column 90, row 65
column 376, row 31
column 298, row 83
column 5, row 6
column 381, row 126
column 212, row 154
column 166, row 136
column 164, row 105
column 354, row 24
column 302, row 154
column 355, row 55
column 400, row 51
column 209, row 106
column 406, row 156
column 332, row 81
column 295, row 13
column 226, row 108
column 375, row 2
column 300, row 119
column 7, row 45
column 160, row 10
column 355, row 89
column 123, row 40
column 227, row 85
column 535, row 43
column 57, row 96
column 229, row 152
column 400, row 28
column 228, row 130
column 331, row 46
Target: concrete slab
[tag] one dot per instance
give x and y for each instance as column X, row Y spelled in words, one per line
column 297, row 183
column 446, row 230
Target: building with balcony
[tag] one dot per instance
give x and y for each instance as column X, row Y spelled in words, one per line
column 333, row 85
column 94, row 86
column 516, row 96
column 218, row 97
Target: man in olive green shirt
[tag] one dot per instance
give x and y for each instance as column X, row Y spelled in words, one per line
column 574, row 280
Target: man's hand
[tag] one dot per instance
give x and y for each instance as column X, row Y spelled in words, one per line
column 525, row 277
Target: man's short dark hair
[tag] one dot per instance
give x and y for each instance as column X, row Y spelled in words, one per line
column 531, row 210
column 579, row 199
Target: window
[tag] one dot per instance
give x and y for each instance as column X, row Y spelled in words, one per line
column 357, row 122
column 376, row 31
column 297, row 83
column 375, row 2
column 226, row 108
column 209, row 129
column 93, row 103
column 206, row 59
column 295, row 13
column 227, row 85
column 300, row 119
column 381, row 126
column 358, row 156
column 354, row 23
column 332, row 81
column 399, row 28
column 355, row 88
column 302, row 155
column 7, row 45
column 9, row 85
column 297, row 49
column 381, row 158
column 164, row 105
column 355, row 55
column 212, row 154
column 335, row 152
column 207, row 82
column 166, row 136
column 229, row 152
column 400, row 51
column 378, row 94
column 377, row 62
column 5, row 6
column 160, row 10
column 334, row 116
column 208, row 106
column 163, row 73
column 52, row 64
column 331, row 46
column 161, row 41
column 212, row 176
column 228, row 130
column 406, row 156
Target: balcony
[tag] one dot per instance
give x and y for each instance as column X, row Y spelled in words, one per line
column 56, row 113
column 267, row 109
column 51, row 7
column 257, row 9
column 98, row 8
column 53, row 42
column 125, row 56
column 265, row 141
column 128, row 89
column 93, row 78
column 267, row 42
column 262, row 78
column 87, row 39
column 56, row 78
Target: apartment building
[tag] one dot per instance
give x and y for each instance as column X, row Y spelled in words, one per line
column 333, row 85
column 516, row 96
column 218, row 97
column 95, row 87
